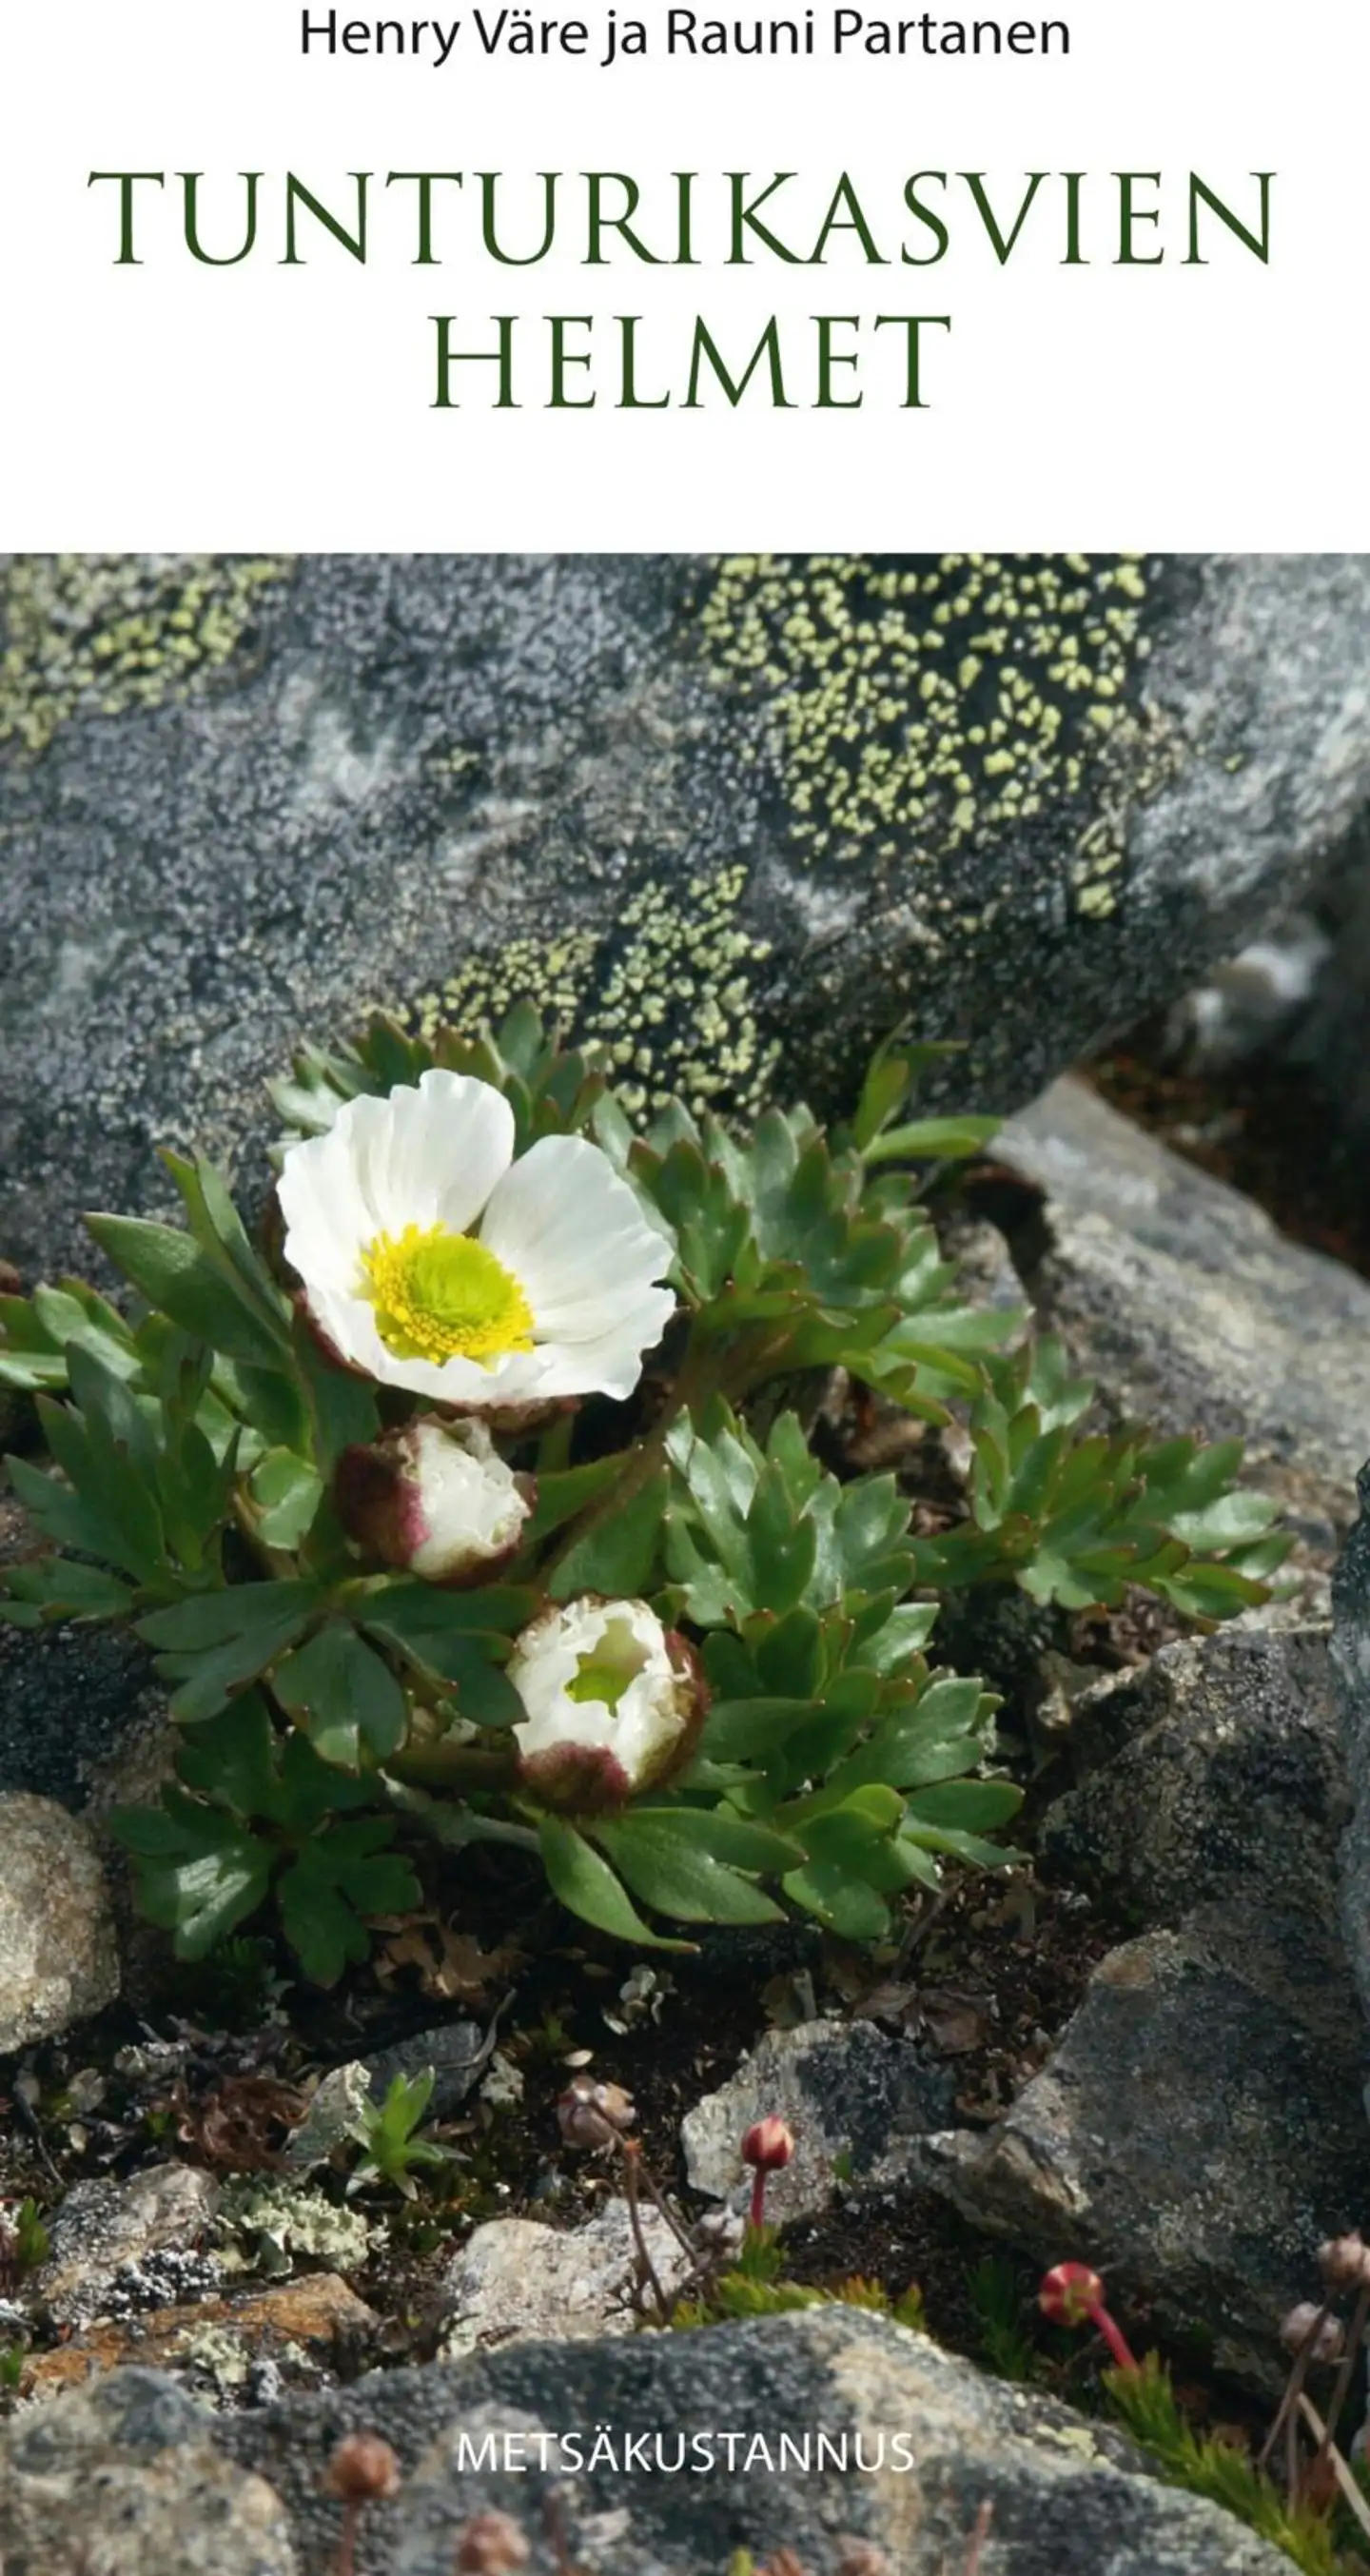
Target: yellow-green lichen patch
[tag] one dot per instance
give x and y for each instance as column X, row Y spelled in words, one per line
column 668, row 991
column 937, row 704
column 100, row 634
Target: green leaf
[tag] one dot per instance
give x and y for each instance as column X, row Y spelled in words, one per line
column 331, row 1884
column 618, row 1555
column 846, row 1905
column 966, row 1805
column 343, row 1409
column 215, row 1643
column 933, row 1140
column 344, row 1695
column 569, row 1490
column 585, row 1884
column 60, row 1588
column 177, row 1277
column 285, row 1493
column 686, row 1862
column 199, row 1872
column 444, row 1636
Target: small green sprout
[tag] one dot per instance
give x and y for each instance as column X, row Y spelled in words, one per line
column 387, row 2131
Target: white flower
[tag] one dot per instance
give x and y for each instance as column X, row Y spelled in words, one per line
column 432, row 1260
column 614, row 1702
column 435, row 1498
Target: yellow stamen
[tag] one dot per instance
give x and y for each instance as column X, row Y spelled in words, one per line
column 441, row 1296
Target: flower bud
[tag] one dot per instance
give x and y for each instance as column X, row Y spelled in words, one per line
column 1344, row 2261
column 434, row 1499
column 490, row 2544
column 614, row 1703
column 594, row 2115
column 363, row 2469
column 1070, row 2293
column 769, row 2144
column 1328, row 2343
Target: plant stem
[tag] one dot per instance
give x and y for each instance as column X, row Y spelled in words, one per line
column 1294, row 2384
column 455, row 1827
column 632, row 2166
column 1355, row 2337
column 1326, row 2448
column 347, row 2543
column 1117, row 2342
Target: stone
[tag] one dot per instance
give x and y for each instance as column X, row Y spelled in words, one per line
column 1196, row 2133
column 59, row 1958
column 1351, row 1654
column 767, row 798
column 1193, row 1312
column 1214, row 1773
column 122, row 2479
column 1069, row 2497
column 102, row 2227
column 854, row 2098
column 217, row 2340
column 515, row 2279
column 455, row 2050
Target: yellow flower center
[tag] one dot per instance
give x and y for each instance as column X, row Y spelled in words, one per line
column 441, row 1296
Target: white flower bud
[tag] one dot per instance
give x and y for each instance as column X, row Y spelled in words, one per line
column 614, row 1703
column 435, row 1499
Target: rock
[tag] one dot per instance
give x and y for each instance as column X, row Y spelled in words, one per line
column 1192, row 1311
column 1067, row 2495
column 217, row 2341
column 341, row 2101
column 1215, row 1773
column 516, row 2279
column 1351, row 1653
column 122, row 2479
column 791, row 803
column 1196, row 2134
column 103, row 2227
column 853, row 2097
column 59, row 1960
column 453, row 2049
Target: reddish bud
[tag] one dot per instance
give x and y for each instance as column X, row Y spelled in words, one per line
column 490, row 2544
column 363, row 2469
column 768, row 2144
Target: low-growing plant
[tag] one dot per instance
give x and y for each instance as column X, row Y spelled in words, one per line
column 447, row 1508
column 388, row 2133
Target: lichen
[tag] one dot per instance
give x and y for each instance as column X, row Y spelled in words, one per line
column 668, row 990
column 265, row 2225
column 102, row 634
column 932, row 706
column 916, row 716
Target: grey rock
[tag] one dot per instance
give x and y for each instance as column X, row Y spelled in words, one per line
column 103, row 2227
column 340, row 2103
column 515, row 2278
column 1215, row 1773
column 374, row 779
column 1190, row 1308
column 59, row 1960
column 1196, row 2133
column 1351, row 1653
column 1067, row 2495
column 122, row 2479
column 453, row 2049
column 847, row 2091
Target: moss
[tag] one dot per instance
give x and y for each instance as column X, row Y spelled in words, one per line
column 100, row 634
column 668, row 990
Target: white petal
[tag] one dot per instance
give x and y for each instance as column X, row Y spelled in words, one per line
column 611, row 1363
column 327, row 1219
column 571, row 1232
column 437, row 1156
